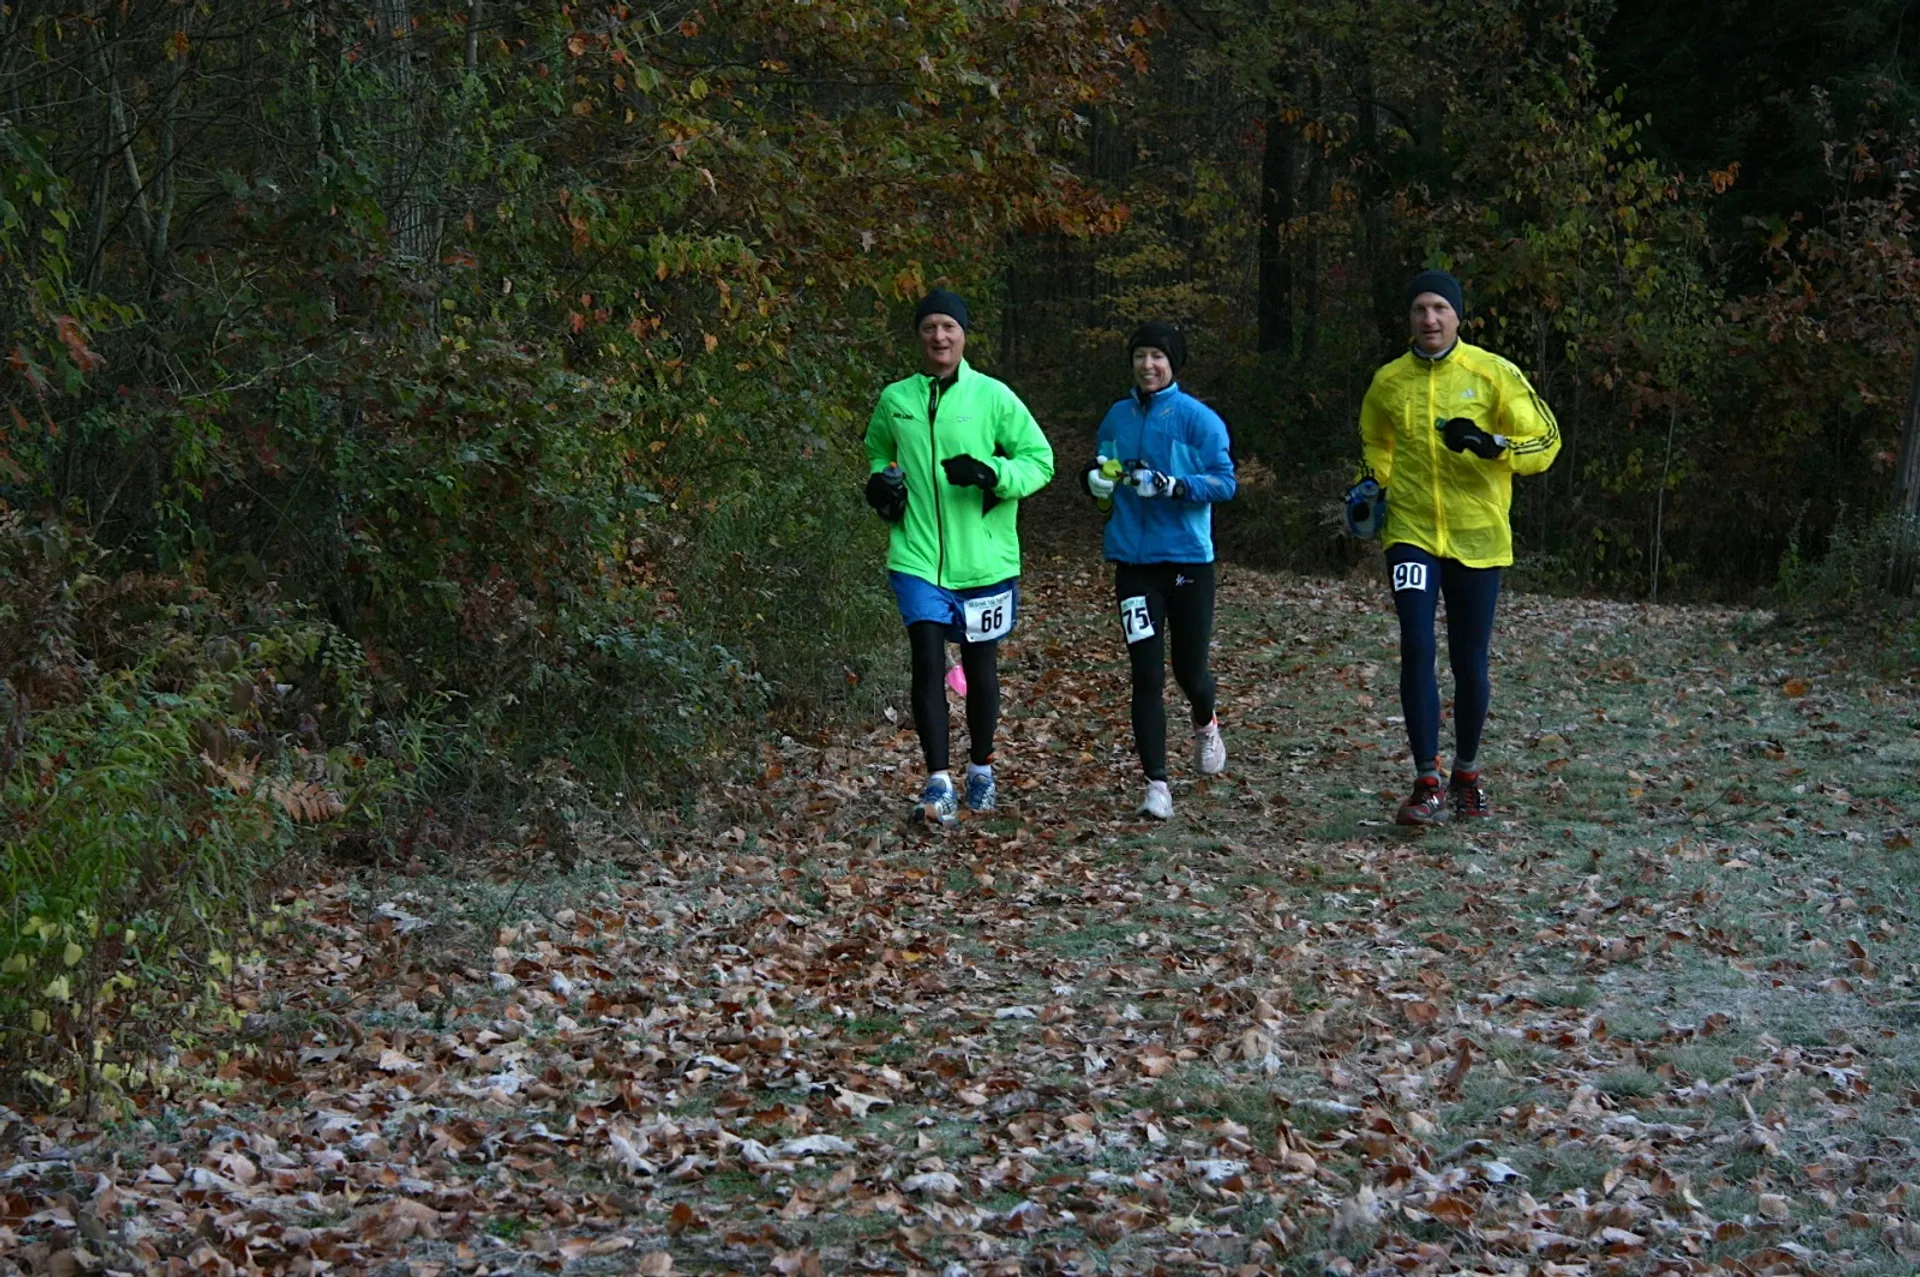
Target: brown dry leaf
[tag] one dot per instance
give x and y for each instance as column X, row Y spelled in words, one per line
column 236, row 774
column 306, row 801
column 399, row 1220
column 1451, row 1211
column 856, row 1104
column 1456, row 1074
column 800, row 1261
column 655, row 1263
column 575, row 1249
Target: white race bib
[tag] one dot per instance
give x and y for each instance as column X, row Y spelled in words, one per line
column 1135, row 619
column 1409, row 576
column 989, row 618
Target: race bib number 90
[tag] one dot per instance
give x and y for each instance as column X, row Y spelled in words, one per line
column 1409, row 576
column 1135, row 619
column 989, row 618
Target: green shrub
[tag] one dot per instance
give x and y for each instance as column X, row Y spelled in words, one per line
column 161, row 753
column 1851, row 574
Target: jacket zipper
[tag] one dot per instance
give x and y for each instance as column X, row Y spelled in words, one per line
column 933, row 477
column 1140, row 411
column 1433, row 464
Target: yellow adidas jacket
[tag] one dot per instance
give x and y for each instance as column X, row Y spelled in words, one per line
column 1453, row 504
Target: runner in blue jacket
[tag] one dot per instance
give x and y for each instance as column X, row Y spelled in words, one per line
column 1174, row 464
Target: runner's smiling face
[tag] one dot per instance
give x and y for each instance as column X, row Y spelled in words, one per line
column 942, row 342
column 1151, row 369
column 1433, row 323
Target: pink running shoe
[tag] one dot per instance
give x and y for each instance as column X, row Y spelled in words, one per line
column 957, row 680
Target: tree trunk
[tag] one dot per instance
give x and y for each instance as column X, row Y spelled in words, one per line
column 1275, row 301
column 473, row 37
column 401, row 151
column 159, row 242
column 1319, row 199
column 1906, row 493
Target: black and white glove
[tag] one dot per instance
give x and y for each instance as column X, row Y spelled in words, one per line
column 964, row 471
column 1462, row 435
column 887, row 493
column 1153, row 485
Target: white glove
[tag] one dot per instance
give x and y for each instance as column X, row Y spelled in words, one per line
column 1151, row 483
column 1098, row 484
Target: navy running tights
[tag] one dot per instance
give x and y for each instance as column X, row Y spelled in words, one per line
column 980, row 661
column 1419, row 582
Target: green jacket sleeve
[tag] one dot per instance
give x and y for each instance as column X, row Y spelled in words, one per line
column 881, row 450
column 1376, row 432
column 1533, row 436
column 1027, row 466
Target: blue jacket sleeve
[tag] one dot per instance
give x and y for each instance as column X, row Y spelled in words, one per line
column 1107, row 434
column 1207, row 436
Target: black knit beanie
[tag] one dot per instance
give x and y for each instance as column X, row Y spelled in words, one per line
column 1163, row 337
column 942, row 302
column 1438, row 281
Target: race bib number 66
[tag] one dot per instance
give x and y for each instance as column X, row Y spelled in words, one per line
column 1409, row 576
column 989, row 618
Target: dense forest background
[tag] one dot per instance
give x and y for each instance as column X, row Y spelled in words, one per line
column 423, row 419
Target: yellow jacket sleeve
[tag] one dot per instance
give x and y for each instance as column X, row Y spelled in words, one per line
column 1376, row 432
column 1533, row 435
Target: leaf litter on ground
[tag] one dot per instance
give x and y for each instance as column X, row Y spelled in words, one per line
column 1657, row 1015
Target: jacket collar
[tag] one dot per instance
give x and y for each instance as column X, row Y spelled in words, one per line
column 1440, row 358
column 1145, row 398
column 964, row 370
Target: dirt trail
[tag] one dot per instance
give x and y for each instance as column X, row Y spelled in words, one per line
column 1656, row 1016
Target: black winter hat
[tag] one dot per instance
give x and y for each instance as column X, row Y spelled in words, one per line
column 1438, row 281
column 1163, row 337
column 942, row 302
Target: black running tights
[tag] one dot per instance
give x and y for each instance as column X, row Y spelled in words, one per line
column 981, row 663
column 1179, row 598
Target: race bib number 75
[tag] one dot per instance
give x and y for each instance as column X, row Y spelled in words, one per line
column 1135, row 620
column 989, row 618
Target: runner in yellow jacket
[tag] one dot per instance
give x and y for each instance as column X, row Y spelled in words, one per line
column 1443, row 430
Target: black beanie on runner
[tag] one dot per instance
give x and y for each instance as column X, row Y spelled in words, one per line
column 1163, row 337
column 941, row 302
column 1438, row 281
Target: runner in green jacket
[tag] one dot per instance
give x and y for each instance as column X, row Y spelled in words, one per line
column 950, row 453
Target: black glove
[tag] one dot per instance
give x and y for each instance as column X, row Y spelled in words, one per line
column 964, row 471
column 887, row 493
column 1462, row 435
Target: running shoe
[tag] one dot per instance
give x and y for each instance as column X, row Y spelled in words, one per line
column 1209, row 750
column 1159, row 801
column 1426, row 806
column 938, row 803
column 981, row 794
column 1467, row 795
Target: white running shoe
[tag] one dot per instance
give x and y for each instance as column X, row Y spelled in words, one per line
column 1209, row 750
column 1159, row 801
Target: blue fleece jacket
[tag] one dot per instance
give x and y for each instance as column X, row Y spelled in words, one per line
column 1174, row 433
